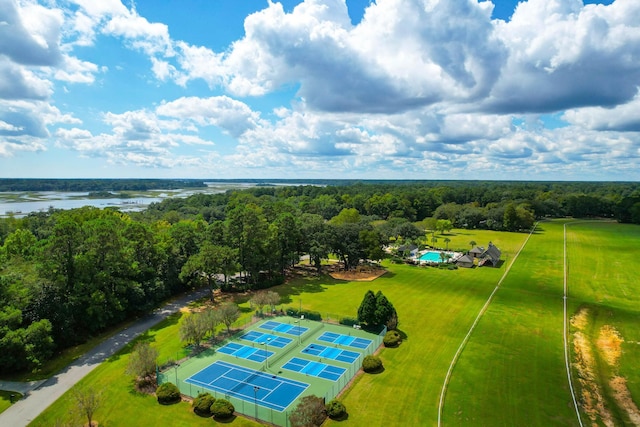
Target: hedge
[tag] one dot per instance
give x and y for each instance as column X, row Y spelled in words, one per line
column 202, row 404
column 222, row 409
column 349, row 321
column 311, row 315
column 168, row 393
column 372, row 364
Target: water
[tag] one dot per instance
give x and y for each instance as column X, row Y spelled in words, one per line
column 20, row 204
column 432, row 256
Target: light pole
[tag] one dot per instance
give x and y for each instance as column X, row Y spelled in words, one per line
column 297, row 322
column 255, row 399
column 176, row 369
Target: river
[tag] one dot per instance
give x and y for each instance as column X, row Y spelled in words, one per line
column 19, row 204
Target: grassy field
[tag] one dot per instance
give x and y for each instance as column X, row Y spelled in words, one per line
column 5, row 399
column 603, row 281
column 512, row 370
column 510, row 373
column 121, row 404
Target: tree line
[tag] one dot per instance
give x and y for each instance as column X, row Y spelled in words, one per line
column 68, row 275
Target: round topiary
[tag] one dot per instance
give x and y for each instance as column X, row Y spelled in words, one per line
column 336, row 410
column 222, row 409
column 372, row 364
column 202, row 404
column 392, row 339
column 168, row 393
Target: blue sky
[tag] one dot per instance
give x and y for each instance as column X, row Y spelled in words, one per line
column 392, row 89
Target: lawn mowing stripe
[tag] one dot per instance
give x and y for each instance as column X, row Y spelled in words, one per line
column 456, row 356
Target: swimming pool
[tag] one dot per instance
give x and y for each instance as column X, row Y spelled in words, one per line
column 433, row 256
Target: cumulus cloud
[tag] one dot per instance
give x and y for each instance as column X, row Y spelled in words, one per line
column 232, row 116
column 563, row 54
column 624, row 118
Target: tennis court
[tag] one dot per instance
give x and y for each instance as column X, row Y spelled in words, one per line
column 267, row 390
column 315, row 369
column 284, row 328
column 346, row 340
column 269, row 339
column 331, row 353
column 246, row 352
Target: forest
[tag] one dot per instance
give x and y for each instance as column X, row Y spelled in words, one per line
column 66, row 275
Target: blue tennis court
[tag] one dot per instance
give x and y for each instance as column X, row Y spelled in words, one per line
column 316, row 369
column 252, row 386
column 246, row 352
column 346, row 340
column 331, row 353
column 284, row 328
column 269, row 339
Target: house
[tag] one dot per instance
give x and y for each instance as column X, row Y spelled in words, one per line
column 465, row 261
column 491, row 255
column 476, row 252
column 408, row 250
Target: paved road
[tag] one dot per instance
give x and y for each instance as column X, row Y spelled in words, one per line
column 47, row 392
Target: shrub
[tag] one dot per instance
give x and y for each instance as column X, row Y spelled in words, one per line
column 349, row 321
column 168, row 393
column 311, row 315
column 392, row 339
column 336, row 410
column 372, row 364
column 222, row 409
column 202, row 404
column 310, row 412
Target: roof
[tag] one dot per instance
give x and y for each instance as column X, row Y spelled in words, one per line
column 465, row 259
column 492, row 254
column 477, row 250
column 410, row 248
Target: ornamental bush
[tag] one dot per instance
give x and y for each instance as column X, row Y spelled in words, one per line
column 336, row 410
column 372, row 364
column 349, row 321
column 202, row 404
column 392, row 339
column 168, row 393
column 222, row 409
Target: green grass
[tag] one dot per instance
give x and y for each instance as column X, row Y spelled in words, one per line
column 604, row 279
column 510, row 373
column 121, row 404
column 5, row 399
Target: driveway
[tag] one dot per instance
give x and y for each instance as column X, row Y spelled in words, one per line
column 46, row 392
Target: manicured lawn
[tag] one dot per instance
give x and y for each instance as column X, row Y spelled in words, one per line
column 121, row 404
column 435, row 307
column 512, row 371
column 604, row 279
column 5, row 399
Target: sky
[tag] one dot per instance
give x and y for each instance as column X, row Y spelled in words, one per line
column 344, row 89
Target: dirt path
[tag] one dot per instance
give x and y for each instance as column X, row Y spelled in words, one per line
column 36, row 401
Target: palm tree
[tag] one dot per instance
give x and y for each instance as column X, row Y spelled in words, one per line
column 433, row 241
column 446, row 241
column 472, row 243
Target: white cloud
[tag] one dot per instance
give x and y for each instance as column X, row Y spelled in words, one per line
column 622, row 118
column 234, row 117
column 563, row 54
